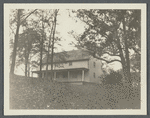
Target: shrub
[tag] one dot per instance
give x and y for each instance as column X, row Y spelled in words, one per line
column 114, row 77
column 136, row 77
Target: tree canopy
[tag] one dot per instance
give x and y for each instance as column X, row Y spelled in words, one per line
column 112, row 32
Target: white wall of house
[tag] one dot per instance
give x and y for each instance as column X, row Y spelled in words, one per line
column 75, row 64
column 88, row 74
column 95, row 70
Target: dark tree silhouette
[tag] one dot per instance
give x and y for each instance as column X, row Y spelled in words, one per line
column 19, row 18
column 111, row 32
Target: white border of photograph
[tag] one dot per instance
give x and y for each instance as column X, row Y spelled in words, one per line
column 142, row 111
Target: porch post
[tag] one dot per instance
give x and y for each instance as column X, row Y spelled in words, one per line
column 68, row 75
column 82, row 75
column 32, row 74
column 55, row 75
column 42, row 74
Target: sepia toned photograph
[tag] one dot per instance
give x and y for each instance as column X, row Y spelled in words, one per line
column 70, row 59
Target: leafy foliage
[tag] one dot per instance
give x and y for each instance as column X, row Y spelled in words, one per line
column 17, row 20
column 136, row 63
column 33, row 41
column 114, row 77
column 27, row 48
column 102, row 24
column 112, row 32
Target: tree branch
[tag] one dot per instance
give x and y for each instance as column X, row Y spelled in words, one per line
column 27, row 16
column 111, row 54
column 12, row 30
column 135, row 50
column 107, row 61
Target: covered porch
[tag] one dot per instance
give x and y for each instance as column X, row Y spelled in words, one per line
column 66, row 75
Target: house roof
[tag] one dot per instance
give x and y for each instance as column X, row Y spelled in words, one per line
column 73, row 55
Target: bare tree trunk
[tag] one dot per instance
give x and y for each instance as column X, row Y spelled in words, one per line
column 28, row 55
column 19, row 22
column 41, row 49
column 123, row 61
column 124, row 57
column 126, row 91
column 26, row 60
column 127, row 68
column 48, row 52
column 126, row 53
column 27, row 52
column 28, row 70
column 15, row 44
column 26, row 66
column 53, row 44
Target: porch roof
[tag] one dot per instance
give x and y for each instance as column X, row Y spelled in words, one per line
column 58, row 70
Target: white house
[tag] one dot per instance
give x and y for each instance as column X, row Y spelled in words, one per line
column 74, row 66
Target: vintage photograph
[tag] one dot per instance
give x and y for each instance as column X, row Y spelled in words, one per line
column 75, row 58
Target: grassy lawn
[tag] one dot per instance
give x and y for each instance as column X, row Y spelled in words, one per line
column 30, row 93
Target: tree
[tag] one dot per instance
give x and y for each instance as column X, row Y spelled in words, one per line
column 19, row 19
column 40, row 26
column 49, row 45
column 51, row 21
column 53, row 38
column 26, row 48
column 135, row 63
column 45, row 25
column 113, row 33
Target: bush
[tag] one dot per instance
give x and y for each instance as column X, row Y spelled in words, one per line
column 136, row 77
column 114, row 77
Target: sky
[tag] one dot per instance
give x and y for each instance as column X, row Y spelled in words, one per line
column 68, row 24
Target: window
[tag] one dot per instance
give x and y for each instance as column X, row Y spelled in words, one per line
column 59, row 65
column 94, row 75
column 94, row 64
column 70, row 63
